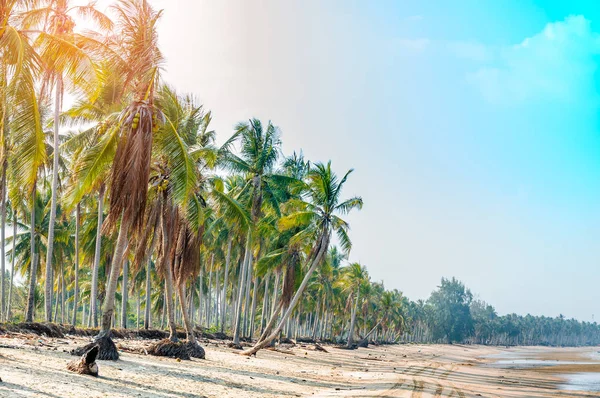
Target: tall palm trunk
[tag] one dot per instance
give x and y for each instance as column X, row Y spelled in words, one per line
column 265, row 301
column 168, row 271
column 124, row 294
column 62, row 292
column 76, row 287
column 56, row 303
column 242, row 284
column 191, row 303
column 275, row 291
column 320, row 254
column 224, row 298
column 94, row 289
column 50, row 245
column 147, row 312
column 209, row 291
column 164, row 306
column 170, row 305
column 12, row 267
column 33, row 266
column 200, row 294
column 3, row 238
column 217, row 297
column 139, row 300
column 111, row 287
column 147, row 309
column 353, row 320
column 247, row 303
column 189, row 329
column 253, row 312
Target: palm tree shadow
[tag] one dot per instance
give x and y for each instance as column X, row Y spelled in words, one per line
column 14, row 390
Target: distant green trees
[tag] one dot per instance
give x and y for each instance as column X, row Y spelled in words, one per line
column 451, row 315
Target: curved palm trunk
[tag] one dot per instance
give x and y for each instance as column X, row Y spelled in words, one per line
column 94, row 288
column 76, row 288
column 224, row 298
column 274, row 316
column 323, row 245
column 50, row 246
column 33, row 265
column 242, row 284
column 374, row 328
column 111, row 288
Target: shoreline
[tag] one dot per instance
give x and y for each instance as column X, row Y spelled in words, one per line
column 36, row 366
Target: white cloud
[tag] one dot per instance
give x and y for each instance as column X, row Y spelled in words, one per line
column 557, row 64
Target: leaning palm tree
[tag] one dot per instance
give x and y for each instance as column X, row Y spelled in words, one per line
column 318, row 219
column 67, row 58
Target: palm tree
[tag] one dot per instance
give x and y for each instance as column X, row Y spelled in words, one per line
column 182, row 152
column 258, row 155
column 19, row 113
column 132, row 132
column 66, row 55
column 318, row 219
column 355, row 277
column 91, row 167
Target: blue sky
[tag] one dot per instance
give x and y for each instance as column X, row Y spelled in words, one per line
column 472, row 126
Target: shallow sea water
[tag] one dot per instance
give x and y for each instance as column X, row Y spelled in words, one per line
column 584, row 381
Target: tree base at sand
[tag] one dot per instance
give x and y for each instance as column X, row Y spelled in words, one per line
column 86, row 365
column 176, row 349
column 107, row 351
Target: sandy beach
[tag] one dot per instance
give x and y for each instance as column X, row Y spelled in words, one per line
column 34, row 366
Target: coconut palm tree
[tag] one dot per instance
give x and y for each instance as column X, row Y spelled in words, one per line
column 19, row 114
column 259, row 152
column 67, row 59
column 91, row 167
column 130, row 135
column 355, row 276
column 318, row 219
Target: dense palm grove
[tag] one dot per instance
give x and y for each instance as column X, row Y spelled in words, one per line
column 121, row 210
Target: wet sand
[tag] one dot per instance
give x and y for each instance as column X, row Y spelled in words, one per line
column 33, row 366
